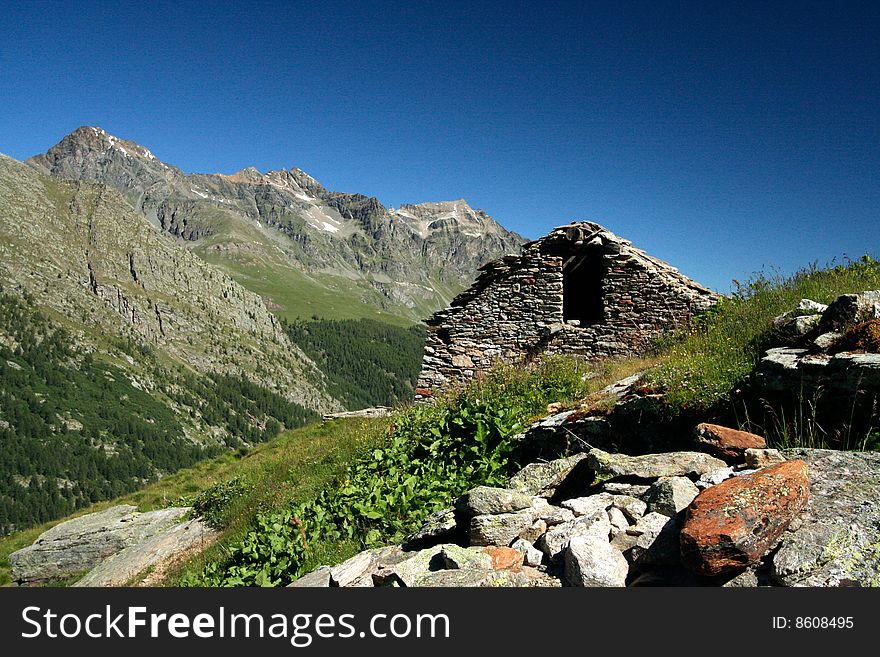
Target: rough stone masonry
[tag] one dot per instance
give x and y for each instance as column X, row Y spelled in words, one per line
column 579, row 290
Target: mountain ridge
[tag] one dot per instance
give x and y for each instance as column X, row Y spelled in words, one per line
column 265, row 229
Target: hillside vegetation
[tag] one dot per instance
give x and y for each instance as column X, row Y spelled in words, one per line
column 77, row 428
column 367, row 363
column 706, row 368
column 320, row 494
column 432, row 454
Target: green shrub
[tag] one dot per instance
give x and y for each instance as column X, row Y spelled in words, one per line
column 214, row 503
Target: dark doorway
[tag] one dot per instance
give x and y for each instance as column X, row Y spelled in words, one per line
column 582, row 289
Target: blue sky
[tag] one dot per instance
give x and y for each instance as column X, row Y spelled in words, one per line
column 725, row 139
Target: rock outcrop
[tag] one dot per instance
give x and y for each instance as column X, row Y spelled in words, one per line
column 830, row 372
column 146, row 556
column 835, row 541
column 77, row 546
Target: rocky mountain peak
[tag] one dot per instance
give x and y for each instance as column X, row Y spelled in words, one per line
column 91, row 153
column 246, row 175
column 307, row 183
column 431, row 217
column 295, row 223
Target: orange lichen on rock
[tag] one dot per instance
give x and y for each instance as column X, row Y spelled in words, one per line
column 734, row 524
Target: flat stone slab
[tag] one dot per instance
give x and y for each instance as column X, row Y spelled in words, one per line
column 651, row 466
column 79, row 545
column 474, row 577
column 486, row 500
column 544, row 478
column 782, row 368
column 317, row 579
column 438, row 526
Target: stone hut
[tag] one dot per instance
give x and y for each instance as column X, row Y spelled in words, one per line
column 579, row 290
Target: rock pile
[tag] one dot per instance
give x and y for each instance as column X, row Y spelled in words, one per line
column 602, row 519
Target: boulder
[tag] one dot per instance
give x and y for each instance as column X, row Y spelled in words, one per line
column 632, row 507
column 79, row 545
column 671, row 495
column 504, row 558
column 368, row 568
column 544, row 478
column 618, row 520
column 826, row 341
column 485, row 500
column 535, row 531
column 408, row 571
column 531, row 555
column 810, row 307
column 650, row 466
column 850, row 309
column 460, row 557
column 836, row 539
column 549, row 514
column 591, row 561
column 499, row 529
column 158, row 550
column 587, row 506
column 732, row 525
column 714, row 478
column 727, row 444
column 791, row 328
column 656, row 540
column 439, row 527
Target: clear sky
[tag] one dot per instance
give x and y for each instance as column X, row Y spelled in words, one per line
column 725, row 137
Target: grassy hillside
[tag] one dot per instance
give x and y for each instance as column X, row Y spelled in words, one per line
column 319, row 494
column 294, row 295
column 295, row 465
column 706, row 368
column 427, row 457
column 432, row 454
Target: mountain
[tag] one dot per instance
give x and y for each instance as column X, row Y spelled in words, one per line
column 103, row 270
column 305, row 250
column 123, row 356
